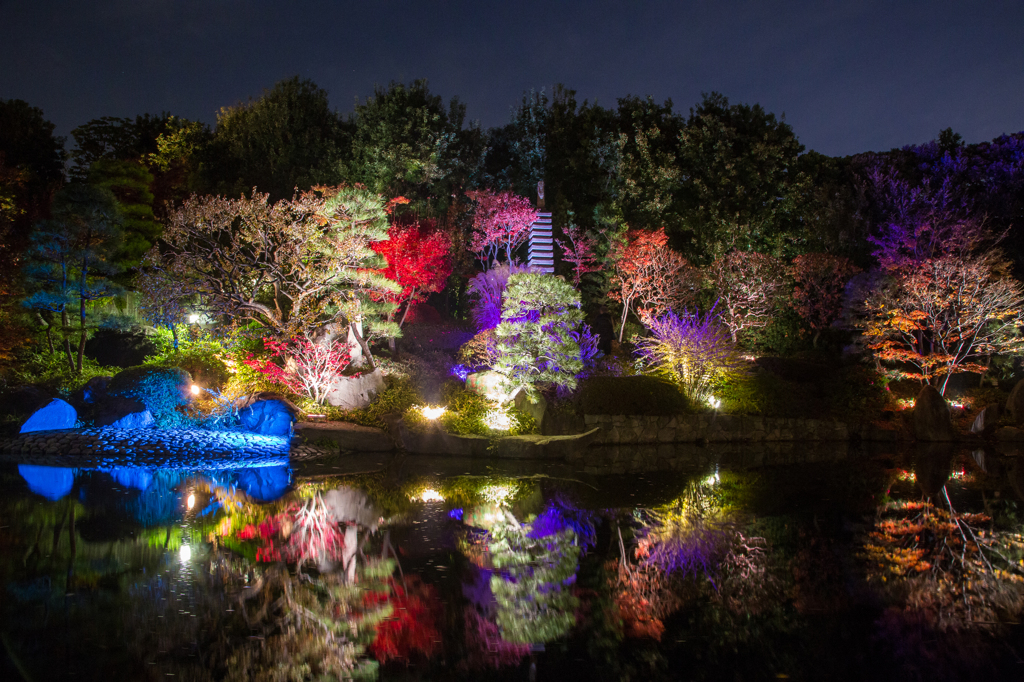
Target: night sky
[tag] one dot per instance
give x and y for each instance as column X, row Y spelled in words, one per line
column 849, row 76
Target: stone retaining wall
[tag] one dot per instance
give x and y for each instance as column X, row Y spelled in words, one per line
column 618, row 429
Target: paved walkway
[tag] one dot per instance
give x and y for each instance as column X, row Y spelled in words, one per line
column 178, row 448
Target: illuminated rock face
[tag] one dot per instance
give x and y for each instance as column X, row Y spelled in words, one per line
column 268, row 418
column 931, row 416
column 488, row 384
column 352, row 393
column 135, row 420
column 52, row 483
column 55, row 416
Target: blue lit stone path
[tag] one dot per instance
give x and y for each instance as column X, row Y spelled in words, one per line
column 174, row 448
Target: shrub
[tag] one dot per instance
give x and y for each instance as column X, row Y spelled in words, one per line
column 467, row 412
column 488, row 288
column 694, row 351
column 203, row 360
column 536, row 345
column 479, row 351
column 161, row 389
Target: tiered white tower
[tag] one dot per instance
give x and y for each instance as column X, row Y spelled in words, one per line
column 542, row 246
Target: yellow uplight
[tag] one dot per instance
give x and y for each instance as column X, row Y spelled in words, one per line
column 432, row 412
column 195, row 389
column 428, row 495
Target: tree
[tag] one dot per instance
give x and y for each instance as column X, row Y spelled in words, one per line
column 502, row 221
column 406, row 142
column 944, row 315
column 314, row 367
column 116, row 139
column 516, row 153
column 31, row 169
column 299, row 266
column 289, row 138
column 418, row 258
column 748, row 286
column 165, row 293
column 742, row 183
column 650, row 278
column 71, row 258
column 130, row 183
column 818, row 295
column 579, row 250
column 536, row 341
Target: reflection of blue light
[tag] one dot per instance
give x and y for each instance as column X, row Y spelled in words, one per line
column 52, row 483
column 132, row 477
column 460, row 371
column 264, row 483
column 456, row 514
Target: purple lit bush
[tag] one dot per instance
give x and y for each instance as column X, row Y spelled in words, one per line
column 694, row 350
column 487, row 289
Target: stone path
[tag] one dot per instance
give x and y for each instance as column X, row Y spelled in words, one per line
column 179, row 448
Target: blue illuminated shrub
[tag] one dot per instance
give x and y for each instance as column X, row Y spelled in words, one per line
column 161, row 390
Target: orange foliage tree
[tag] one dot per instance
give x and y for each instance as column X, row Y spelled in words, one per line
column 944, row 315
column 818, row 294
column 650, row 278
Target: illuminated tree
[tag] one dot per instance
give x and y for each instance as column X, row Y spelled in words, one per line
column 297, row 266
column 579, row 250
column 418, row 258
column 536, row 341
column 944, row 315
column 165, row 294
column 818, row 294
column 501, row 223
column 486, row 289
column 312, row 369
column 748, row 286
column 650, row 278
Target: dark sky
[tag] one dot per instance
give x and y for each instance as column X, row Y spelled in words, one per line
column 849, row 76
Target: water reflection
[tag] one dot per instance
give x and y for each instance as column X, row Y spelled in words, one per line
column 720, row 571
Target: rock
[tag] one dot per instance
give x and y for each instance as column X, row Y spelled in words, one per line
column 986, row 419
column 1015, row 403
column 932, row 467
column 52, row 483
column 93, row 391
column 488, row 384
column 931, row 417
column 135, row 420
column 53, row 417
column 119, row 348
column 161, row 390
column 111, row 409
column 268, row 418
column 536, row 409
column 347, row 436
column 1010, row 433
column 355, row 392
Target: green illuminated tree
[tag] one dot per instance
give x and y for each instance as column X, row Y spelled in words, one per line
column 538, row 335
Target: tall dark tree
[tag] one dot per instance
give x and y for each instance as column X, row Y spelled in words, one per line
column 289, row 138
column 741, row 181
column 407, row 142
column 31, row 168
column 130, row 183
column 116, row 139
column 70, row 261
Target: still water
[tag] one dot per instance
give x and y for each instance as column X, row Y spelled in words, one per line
column 895, row 564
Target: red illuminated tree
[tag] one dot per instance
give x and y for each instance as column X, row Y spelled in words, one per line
column 501, row 223
column 579, row 250
column 650, row 278
column 748, row 286
column 818, row 295
column 418, row 257
column 313, row 367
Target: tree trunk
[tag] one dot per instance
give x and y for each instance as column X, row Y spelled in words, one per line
column 174, row 334
column 622, row 325
column 362, row 344
column 67, row 343
column 81, row 338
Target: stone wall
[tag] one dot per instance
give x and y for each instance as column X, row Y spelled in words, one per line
column 618, row 429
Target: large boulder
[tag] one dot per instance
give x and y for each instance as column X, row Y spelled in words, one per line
column 93, row 391
column 535, row 408
column 55, row 416
column 1015, row 403
column 357, row 391
column 161, row 390
column 273, row 417
column 931, row 417
column 115, row 410
column 122, row 348
column 489, row 384
column 985, row 422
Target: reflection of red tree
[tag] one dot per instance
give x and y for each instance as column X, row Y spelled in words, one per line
column 642, row 598
column 411, row 628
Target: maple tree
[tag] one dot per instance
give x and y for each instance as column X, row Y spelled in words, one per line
column 316, row 365
column 579, row 250
column 418, row 258
column 818, row 294
column 944, row 315
column 649, row 276
column 749, row 285
column 501, row 223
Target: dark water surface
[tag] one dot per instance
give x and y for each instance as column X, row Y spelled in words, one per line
column 819, row 564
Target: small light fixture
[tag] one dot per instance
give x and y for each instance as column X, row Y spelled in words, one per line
column 191, row 502
column 193, row 318
column 185, row 553
column 428, row 495
column 195, row 389
column 432, row 413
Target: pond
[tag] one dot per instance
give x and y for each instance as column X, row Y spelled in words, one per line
column 850, row 563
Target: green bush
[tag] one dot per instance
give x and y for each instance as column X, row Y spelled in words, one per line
column 466, row 414
column 398, row 395
column 51, row 370
column 202, row 360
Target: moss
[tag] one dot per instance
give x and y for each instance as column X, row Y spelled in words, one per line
column 161, row 389
column 641, row 395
